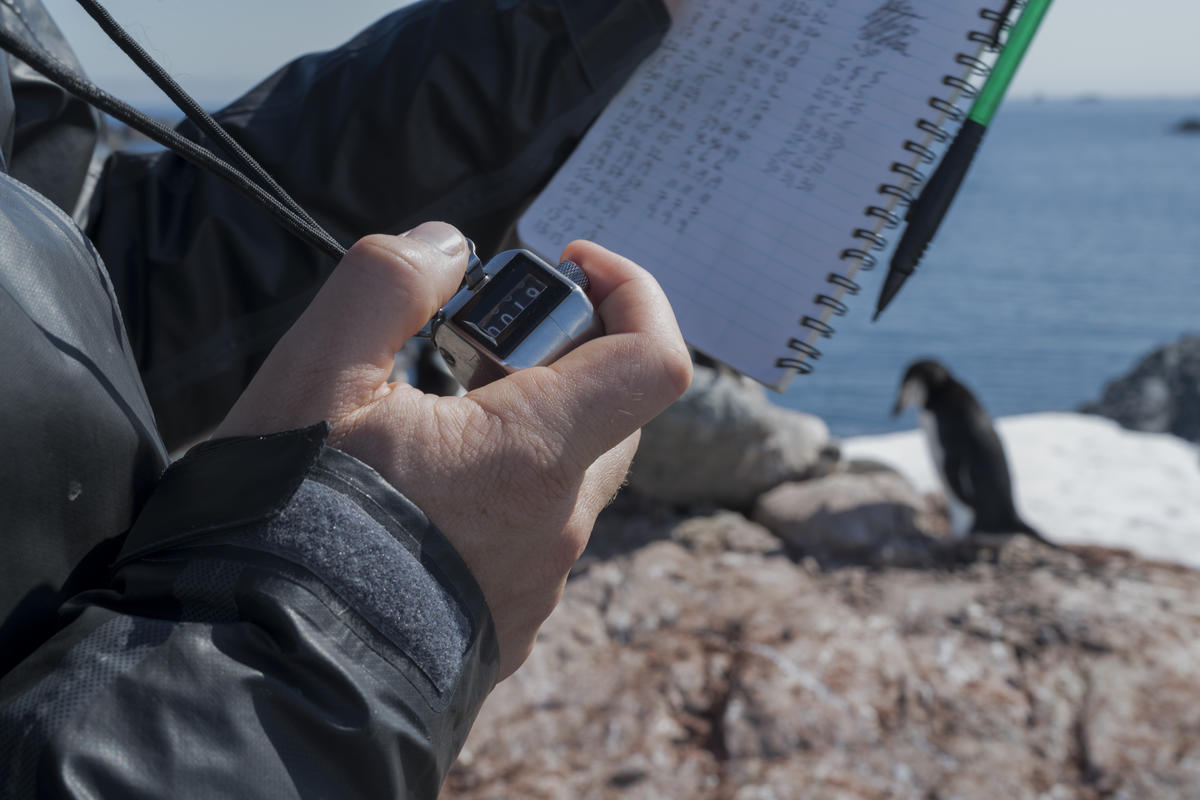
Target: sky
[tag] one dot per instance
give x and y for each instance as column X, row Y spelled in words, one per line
column 218, row 48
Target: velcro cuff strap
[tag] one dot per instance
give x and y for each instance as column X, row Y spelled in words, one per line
column 224, row 484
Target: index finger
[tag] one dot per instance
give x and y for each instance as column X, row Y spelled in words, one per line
column 598, row 394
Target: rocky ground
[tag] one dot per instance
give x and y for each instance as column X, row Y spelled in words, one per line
column 809, row 632
column 696, row 656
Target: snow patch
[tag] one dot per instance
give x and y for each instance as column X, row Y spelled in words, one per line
column 1080, row 479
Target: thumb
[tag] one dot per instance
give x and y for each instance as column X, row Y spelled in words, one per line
column 341, row 349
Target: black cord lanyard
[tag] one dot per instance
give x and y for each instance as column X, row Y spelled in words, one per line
column 266, row 191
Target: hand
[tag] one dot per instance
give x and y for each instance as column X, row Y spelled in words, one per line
column 515, row 472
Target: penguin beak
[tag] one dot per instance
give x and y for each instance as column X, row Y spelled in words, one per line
column 912, row 393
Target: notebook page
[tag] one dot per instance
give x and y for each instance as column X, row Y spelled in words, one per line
column 740, row 158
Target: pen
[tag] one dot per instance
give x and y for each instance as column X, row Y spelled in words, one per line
column 927, row 211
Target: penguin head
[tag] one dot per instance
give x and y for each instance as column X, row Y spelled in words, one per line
column 921, row 379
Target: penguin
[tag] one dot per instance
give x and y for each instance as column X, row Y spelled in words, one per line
column 967, row 452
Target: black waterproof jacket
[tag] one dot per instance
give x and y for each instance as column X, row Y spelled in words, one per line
column 268, row 618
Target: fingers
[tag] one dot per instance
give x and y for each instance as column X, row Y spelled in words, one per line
column 627, row 297
column 341, row 350
column 385, row 289
column 604, row 390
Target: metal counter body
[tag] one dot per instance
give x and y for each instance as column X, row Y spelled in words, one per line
column 523, row 313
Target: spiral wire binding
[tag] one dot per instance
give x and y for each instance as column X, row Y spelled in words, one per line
column 940, row 134
column 915, row 176
column 875, row 241
column 838, row 308
column 965, row 90
column 952, row 112
column 862, row 257
column 903, row 195
column 978, row 66
column 926, row 154
column 848, row 285
column 890, row 220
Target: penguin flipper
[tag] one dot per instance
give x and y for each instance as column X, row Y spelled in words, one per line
column 987, row 477
column 957, row 470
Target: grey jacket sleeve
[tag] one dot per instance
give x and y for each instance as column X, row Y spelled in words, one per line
column 280, row 623
column 457, row 110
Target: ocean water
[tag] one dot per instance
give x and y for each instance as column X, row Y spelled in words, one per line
column 1072, row 250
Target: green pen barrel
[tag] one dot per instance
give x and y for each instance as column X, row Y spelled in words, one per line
column 984, row 107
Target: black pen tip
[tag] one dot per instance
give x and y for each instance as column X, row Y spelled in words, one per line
column 891, row 287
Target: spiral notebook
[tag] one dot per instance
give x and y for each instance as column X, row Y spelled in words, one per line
column 756, row 159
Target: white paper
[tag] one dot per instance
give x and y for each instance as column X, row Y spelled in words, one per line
column 740, row 158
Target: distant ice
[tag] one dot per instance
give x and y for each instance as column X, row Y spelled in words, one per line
column 1082, row 480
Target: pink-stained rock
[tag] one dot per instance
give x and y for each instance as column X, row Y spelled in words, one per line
column 699, row 661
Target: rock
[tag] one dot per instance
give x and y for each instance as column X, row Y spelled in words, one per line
column 631, row 522
column 1188, row 125
column 869, row 517
column 673, row 672
column 1160, row 395
column 679, row 671
column 862, row 466
column 724, row 443
column 725, row 532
